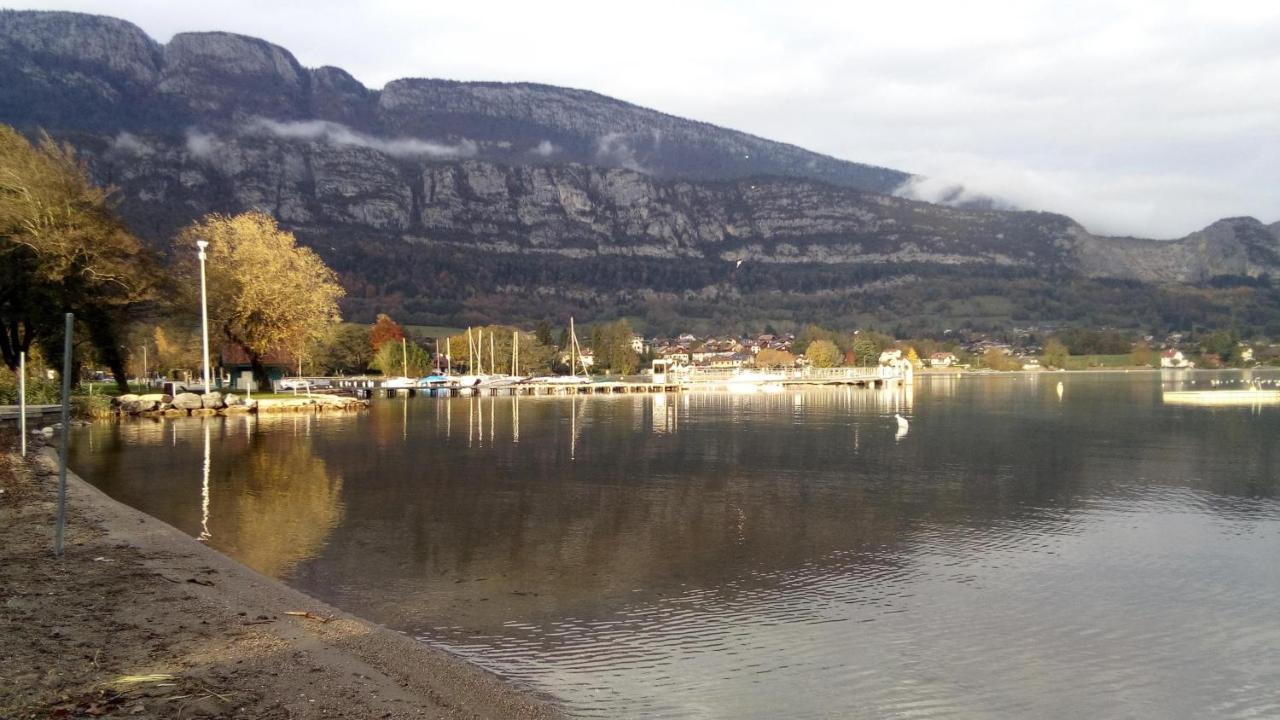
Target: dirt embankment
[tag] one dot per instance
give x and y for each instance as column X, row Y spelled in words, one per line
column 138, row 620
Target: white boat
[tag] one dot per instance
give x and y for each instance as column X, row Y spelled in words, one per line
column 399, row 383
column 559, row 380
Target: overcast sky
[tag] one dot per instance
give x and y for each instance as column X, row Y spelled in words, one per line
column 1151, row 118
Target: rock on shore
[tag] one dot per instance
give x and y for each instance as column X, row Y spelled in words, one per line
column 215, row 403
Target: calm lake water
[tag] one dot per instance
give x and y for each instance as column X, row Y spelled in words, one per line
column 1016, row 554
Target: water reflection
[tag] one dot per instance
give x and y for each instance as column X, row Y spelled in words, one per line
column 789, row 554
column 261, row 492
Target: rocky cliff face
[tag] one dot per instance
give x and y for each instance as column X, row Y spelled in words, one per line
column 60, row 65
column 1231, row 247
column 456, row 201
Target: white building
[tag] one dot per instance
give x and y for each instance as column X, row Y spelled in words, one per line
column 890, row 356
column 1174, row 359
column 943, row 359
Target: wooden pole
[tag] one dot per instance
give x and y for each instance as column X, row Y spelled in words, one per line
column 60, row 528
column 22, row 400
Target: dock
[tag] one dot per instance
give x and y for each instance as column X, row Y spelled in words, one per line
column 675, row 382
column 1221, row 397
column 37, row 415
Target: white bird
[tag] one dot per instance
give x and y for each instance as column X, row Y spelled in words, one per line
column 902, row 428
column 735, row 267
column 1059, row 389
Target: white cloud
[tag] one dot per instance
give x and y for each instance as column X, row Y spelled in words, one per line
column 131, row 144
column 339, row 134
column 202, row 145
column 544, row 149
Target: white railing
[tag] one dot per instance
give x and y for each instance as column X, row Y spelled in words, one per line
column 699, row 375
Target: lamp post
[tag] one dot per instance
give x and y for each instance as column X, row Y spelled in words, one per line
column 204, row 317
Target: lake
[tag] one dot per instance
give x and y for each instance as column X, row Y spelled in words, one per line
column 1016, row 553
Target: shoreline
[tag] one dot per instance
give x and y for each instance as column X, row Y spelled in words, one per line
column 136, row 597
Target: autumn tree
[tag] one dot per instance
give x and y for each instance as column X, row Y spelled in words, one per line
column 404, row 358
column 63, row 249
column 812, row 333
column 176, row 349
column 535, row 356
column 823, row 354
column 1055, row 353
column 384, row 329
column 265, row 291
column 345, row 349
column 1142, row 355
column 997, row 359
column 769, row 357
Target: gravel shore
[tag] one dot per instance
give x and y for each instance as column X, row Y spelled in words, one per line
column 139, row 620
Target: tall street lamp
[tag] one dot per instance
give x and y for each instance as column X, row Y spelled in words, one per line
column 204, row 316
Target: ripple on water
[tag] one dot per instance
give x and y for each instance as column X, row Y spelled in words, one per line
column 873, row 635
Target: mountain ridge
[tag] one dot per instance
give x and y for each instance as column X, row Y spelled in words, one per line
column 455, row 200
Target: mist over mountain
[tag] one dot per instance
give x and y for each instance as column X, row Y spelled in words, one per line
column 446, row 201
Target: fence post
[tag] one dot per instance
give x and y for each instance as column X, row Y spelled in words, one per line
column 66, row 436
column 22, row 400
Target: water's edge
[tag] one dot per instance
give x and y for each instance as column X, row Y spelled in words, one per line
column 444, row 674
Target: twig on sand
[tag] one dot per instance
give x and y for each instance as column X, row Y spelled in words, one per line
column 307, row 614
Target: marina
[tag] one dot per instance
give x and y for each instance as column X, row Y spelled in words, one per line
column 880, row 377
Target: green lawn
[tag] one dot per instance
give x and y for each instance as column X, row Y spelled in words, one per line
column 1084, row 362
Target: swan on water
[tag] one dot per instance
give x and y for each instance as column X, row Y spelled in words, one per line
column 902, row 422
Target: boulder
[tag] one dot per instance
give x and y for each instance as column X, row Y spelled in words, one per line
column 236, row 410
column 138, row 405
column 211, row 400
column 174, row 412
column 232, row 400
column 187, row 401
column 125, row 399
column 203, row 412
column 155, row 397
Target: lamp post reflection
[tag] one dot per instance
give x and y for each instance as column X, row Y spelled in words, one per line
column 204, row 491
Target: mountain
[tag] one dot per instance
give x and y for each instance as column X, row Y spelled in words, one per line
column 444, row 201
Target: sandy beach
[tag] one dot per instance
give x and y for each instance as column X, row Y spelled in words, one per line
column 139, row 620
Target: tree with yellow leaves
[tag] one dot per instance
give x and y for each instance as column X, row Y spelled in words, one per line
column 265, row 291
column 62, row 249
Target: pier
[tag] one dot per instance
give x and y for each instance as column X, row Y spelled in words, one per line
column 694, row 380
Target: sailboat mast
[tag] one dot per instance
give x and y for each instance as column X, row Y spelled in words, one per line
column 573, row 347
column 493, row 366
column 471, row 363
column 404, row 355
column 515, row 352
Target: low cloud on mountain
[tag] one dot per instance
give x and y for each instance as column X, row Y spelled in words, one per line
column 338, row 134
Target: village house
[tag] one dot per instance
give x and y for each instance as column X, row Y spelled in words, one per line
column 726, row 361
column 890, row 356
column 1173, row 358
column 943, row 359
column 234, row 364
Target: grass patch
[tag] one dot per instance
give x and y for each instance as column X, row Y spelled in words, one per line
column 1084, row 362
